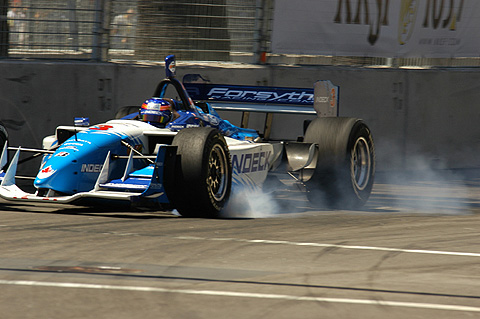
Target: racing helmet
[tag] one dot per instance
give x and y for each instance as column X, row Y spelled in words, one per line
column 156, row 111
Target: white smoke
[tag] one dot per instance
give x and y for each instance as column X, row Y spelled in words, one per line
column 247, row 203
column 426, row 187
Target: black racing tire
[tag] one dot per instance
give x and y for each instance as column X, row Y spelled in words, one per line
column 344, row 175
column 126, row 110
column 3, row 135
column 203, row 173
column 3, row 138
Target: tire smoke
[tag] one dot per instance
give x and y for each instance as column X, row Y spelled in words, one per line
column 422, row 189
column 250, row 204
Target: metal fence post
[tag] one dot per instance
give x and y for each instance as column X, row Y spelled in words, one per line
column 257, row 36
column 260, row 37
column 3, row 28
column 73, row 24
column 97, row 31
column 100, row 43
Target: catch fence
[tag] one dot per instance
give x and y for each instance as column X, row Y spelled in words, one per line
column 106, row 30
column 148, row 30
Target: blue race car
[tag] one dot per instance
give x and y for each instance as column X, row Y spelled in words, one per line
column 180, row 154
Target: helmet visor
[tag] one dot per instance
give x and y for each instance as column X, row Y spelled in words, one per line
column 158, row 117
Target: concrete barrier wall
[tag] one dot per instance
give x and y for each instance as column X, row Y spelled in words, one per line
column 419, row 118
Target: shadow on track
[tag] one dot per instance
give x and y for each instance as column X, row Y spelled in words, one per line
column 121, row 212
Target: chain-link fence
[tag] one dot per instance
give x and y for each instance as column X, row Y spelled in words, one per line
column 45, row 28
column 103, row 30
column 139, row 30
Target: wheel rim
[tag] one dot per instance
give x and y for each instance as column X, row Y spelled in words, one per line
column 361, row 163
column 217, row 173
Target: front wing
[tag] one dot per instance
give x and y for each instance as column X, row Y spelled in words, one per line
column 145, row 184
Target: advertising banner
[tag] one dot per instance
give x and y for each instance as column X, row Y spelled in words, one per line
column 377, row 28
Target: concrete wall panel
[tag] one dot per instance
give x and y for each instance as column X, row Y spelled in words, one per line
column 419, row 118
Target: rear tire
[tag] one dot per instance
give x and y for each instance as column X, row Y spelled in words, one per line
column 344, row 175
column 203, row 173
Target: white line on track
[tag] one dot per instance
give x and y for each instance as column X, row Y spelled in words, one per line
column 383, row 303
column 282, row 242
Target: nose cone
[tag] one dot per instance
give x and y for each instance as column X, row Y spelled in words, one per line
column 75, row 166
column 59, row 172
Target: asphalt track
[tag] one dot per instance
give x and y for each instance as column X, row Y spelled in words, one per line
column 412, row 252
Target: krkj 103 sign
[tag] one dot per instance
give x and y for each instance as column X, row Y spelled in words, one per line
column 380, row 28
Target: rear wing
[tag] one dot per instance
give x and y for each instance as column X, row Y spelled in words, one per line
column 321, row 100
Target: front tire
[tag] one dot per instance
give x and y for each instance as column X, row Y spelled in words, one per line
column 203, row 173
column 344, row 175
column 3, row 138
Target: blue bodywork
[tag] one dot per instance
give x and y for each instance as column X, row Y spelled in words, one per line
column 75, row 165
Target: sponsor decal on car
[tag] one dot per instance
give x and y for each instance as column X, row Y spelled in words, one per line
column 253, row 95
column 91, row 168
column 251, row 162
column 62, row 154
column 171, row 67
column 101, row 127
column 46, row 172
column 69, row 147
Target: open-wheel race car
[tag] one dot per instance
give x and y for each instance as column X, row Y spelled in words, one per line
column 174, row 153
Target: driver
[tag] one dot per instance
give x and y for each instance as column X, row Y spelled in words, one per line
column 158, row 112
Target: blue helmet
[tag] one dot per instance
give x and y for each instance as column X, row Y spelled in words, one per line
column 156, row 111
